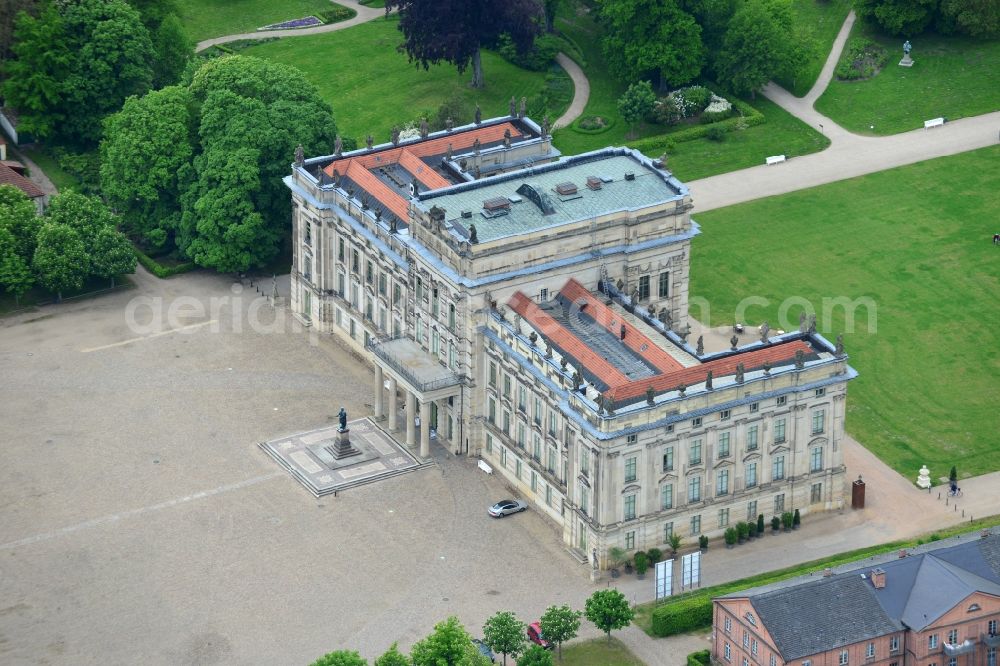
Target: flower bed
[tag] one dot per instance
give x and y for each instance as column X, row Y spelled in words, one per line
column 862, row 59
column 307, row 22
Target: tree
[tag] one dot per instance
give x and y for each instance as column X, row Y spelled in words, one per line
column 253, row 113
column 112, row 255
column 454, row 31
column 535, row 655
column 953, row 474
column 757, row 46
column 898, row 17
column 392, row 657
column 340, row 658
column 976, row 18
column 173, row 51
column 19, row 216
column 61, row 261
column 560, row 624
column 146, row 159
column 675, row 542
column 637, row 103
column 15, row 273
column 9, row 9
column 609, row 610
column 651, row 37
column 448, row 645
column 100, row 54
column 88, row 215
column 550, row 7
column 504, row 633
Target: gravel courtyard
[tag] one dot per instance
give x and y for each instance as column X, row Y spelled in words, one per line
column 140, row 523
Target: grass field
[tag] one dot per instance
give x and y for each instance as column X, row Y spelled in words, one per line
column 916, row 241
column 817, row 23
column 781, row 134
column 214, row 18
column 952, row 77
column 598, row 652
column 372, row 87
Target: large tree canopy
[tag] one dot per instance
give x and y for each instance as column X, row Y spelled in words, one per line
column 146, row 162
column 651, row 37
column 757, row 46
column 9, row 10
column 75, row 64
column 455, row 30
column 898, row 17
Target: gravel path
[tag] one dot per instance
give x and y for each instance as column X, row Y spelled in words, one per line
column 581, row 91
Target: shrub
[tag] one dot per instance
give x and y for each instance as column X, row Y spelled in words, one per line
column 655, row 145
column 615, row 556
column 703, row 542
column 641, row 563
column 760, row 524
column 715, row 133
column 336, row 14
column 454, row 107
column 683, row 615
column 786, row 519
column 537, row 58
column 698, row 96
column 593, row 124
column 796, row 519
column 862, row 59
column 709, row 117
column 730, row 536
column 775, row 523
column 654, row 555
column 675, row 542
column 742, row 529
column 700, row 658
column 159, row 271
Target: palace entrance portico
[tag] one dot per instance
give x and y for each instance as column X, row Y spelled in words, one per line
column 424, row 382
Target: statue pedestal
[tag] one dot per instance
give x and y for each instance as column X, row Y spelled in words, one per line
column 342, row 447
column 924, row 478
column 907, row 61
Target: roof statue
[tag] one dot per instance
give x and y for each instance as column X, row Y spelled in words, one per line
column 512, row 109
column 708, row 381
column 812, row 323
column 765, row 329
column 767, row 368
column 800, row 359
column 369, row 141
column 476, row 145
column 733, row 343
column 449, row 124
column 425, row 129
column 338, row 146
column 300, row 156
column 479, row 115
column 839, row 351
column 447, row 154
column 545, row 126
column 682, row 388
column 395, row 136
column 700, row 349
column 739, row 373
column 650, row 396
column 506, row 138
column 802, row 323
column 524, row 108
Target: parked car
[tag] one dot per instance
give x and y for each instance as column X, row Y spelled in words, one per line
column 506, row 507
column 485, row 650
column 535, row 636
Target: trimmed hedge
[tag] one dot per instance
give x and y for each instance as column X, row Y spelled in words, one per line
column 694, row 612
column 160, row 271
column 699, row 658
column 665, row 142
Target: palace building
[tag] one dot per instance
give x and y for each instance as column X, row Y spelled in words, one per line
column 530, row 309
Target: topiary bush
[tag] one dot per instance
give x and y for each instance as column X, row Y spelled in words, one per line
column 796, row 519
column 682, row 616
column 703, row 542
column 715, row 133
column 641, row 563
column 654, row 555
column 731, row 536
column 700, row 658
column 775, row 523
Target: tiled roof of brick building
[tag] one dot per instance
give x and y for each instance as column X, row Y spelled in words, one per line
column 10, row 177
column 810, row 615
column 614, row 370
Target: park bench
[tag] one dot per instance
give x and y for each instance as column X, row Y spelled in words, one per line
column 775, row 159
column 933, row 122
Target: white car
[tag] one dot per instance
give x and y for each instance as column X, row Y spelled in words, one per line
column 506, row 507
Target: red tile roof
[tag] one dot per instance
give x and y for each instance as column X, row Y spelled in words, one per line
column 408, row 157
column 10, row 177
column 672, row 373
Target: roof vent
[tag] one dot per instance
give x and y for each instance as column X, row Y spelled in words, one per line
column 497, row 204
column 467, row 213
column 594, row 183
column 878, row 579
column 629, row 175
column 902, row 554
column 437, row 214
column 827, row 572
column 564, row 189
column 538, row 197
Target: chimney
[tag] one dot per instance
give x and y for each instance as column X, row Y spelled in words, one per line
column 878, row 579
column 902, row 553
column 827, row 572
column 984, row 534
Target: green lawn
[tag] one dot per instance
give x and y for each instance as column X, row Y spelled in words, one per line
column 214, row 18
column 952, row 77
column 598, row 652
column 61, row 178
column 372, row 87
column 817, row 22
column 92, row 287
column 781, row 134
column 916, row 241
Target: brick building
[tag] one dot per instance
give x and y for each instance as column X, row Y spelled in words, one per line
column 938, row 606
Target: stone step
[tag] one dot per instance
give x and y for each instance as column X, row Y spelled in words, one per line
column 578, row 555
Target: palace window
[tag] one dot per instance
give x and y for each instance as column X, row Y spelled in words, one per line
column 584, row 460
column 723, row 445
column 643, row 287
column 819, row 416
column 754, row 407
column 518, row 466
column 778, row 468
column 553, row 422
column 493, row 374
column 752, row 438
column 753, row 647
column 584, row 499
column 695, row 457
column 506, row 386
column 816, row 459
column 751, row 474
column 779, row 504
column 992, row 626
column 381, row 284
column 520, row 434
column 722, row 482
column 667, row 496
column 537, row 412
column 820, row 392
column 728, row 624
column 536, row 449
column 932, row 641
column 451, row 317
column 522, row 399
column 723, row 517
column 781, row 401
column 668, row 459
column 340, row 249
column 953, row 637
column 751, row 510
column 355, row 261
column 694, row 489
column 492, row 411
column 816, row 493
column 489, row 443
column 696, row 422
column 729, row 653
column 695, row 525
column 506, row 423
column 870, row 650
column 452, row 360
column 779, row 431
column 369, row 272
column 397, row 294
column 664, row 286
column 843, row 658
column 724, row 415
column 630, row 507
column 630, row 540
column 894, row 644
column 551, row 463
column 630, row 465
column 668, row 531
column 534, row 481
column 435, row 302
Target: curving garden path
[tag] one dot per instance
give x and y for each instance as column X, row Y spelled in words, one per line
column 581, row 86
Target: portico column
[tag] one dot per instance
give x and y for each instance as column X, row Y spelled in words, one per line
column 393, row 407
column 379, row 390
column 442, row 428
column 411, row 413
column 425, row 429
